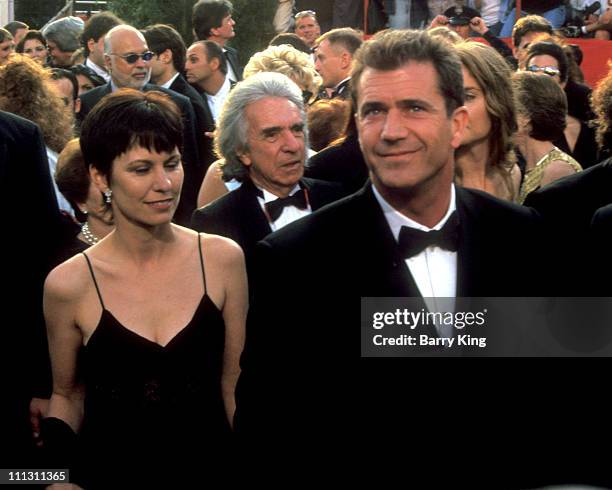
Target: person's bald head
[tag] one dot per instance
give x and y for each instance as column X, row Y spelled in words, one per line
column 121, row 42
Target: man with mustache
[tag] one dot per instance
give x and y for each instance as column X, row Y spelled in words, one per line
column 128, row 60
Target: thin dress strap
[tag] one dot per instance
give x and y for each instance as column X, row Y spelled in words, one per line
column 93, row 276
column 201, row 263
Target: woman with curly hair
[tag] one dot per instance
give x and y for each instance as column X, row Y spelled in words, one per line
column 26, row 90
column 601, row 102
column 486, row 160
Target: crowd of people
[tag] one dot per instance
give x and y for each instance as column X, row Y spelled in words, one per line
column 210, row 228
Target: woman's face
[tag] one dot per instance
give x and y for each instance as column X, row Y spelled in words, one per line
column 479, row 121
column 146, row 185
column 85, row 84
column 35, row 50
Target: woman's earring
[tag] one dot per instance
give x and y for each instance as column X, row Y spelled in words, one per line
column 108, row 194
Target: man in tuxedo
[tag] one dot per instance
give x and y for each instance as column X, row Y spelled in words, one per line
column 206, row 71
column 128, row 61
column 166, row 71
column 212, row 21
column 333, row 59
column 409, row 233
column 24, row 358
column 268, row 157
column 92, row 40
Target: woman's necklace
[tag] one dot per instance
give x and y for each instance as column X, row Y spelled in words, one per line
column 88, row 235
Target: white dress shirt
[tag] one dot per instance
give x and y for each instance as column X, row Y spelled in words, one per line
column 62, row 202
column 289, row 214
column 215, row 102
column 99, row 71
column 170, row 82
column 434, row 270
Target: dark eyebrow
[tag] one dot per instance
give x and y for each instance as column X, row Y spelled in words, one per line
column 372, row 105
column 270, row 131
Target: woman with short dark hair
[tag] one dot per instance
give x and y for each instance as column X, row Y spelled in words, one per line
column 154, row 313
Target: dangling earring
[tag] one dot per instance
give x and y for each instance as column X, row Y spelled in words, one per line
column 108, row 194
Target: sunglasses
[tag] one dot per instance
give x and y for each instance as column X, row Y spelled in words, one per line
column 133, row 57
column 305, row 13
column 551, row 71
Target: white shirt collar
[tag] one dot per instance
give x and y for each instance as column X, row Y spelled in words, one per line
column 170, row 82
column 98, row 70
column 223, row 91
column 396, row 219
column 346, row 79
column 268, row 196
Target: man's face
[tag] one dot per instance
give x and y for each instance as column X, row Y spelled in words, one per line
column 124, row 75
column 6, row 48
column 63, row 87
column 96, row 51
column 462, row 29
column 226, row 30
column 520, row 51
column 406, row 137
column 158, row 67
column 59, row 58
column 308, row 29
column 332, row 63
column 543, row 61
column 275, row 144
column 197, row 67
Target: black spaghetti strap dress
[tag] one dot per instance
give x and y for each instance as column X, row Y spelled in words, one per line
column 152, row 412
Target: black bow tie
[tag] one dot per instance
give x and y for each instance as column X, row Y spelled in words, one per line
column 412, row 241
column 275, row 208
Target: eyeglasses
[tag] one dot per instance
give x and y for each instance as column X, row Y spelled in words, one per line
column 551, row 71
column 132, row 58
column 305, row 13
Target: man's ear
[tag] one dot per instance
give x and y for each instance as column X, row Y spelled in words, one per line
column 459, row 120
column 91, row 43
column 346, row 60
column 214, row 64
column 107, row 62
column 77, row 105
column 166, row 56
column 245, row 157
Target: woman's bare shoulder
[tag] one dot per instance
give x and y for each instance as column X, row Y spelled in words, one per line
column 223, row 249
column 69, row 280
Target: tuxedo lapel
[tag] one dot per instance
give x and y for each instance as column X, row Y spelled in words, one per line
column 254, row 221
column 386, row 272
column 467, row 252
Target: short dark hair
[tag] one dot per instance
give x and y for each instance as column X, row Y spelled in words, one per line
column 349, row 39
column 14, row 26
column 30, row 35
column 542, row 101
column 213, row 50
column 550, row 49
column 209, row 14
column 93, row 77
column 161, row 37
column 97, row 26
column 128, row 118
column 4, row 35
column 291, row 39
column 59, row 73
column 529, row 23
column 391, row 49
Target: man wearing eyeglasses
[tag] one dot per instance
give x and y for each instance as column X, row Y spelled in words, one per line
column 128, row 60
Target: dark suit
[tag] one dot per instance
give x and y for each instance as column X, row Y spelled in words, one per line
column 567, row 206
column 302, row 379
column 231, row 55
column 239, row 216
column 192, row 164
column 33, row 236
column 204, row 120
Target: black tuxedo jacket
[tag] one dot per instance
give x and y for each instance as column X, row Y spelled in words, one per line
column 567, row 206
column 303, row 333
column 204, row 120
column 192, row 164
column 33, row 234
column 231, row 55
column 238, row 215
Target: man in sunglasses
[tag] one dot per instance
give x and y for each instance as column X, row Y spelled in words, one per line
column 128, row 60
